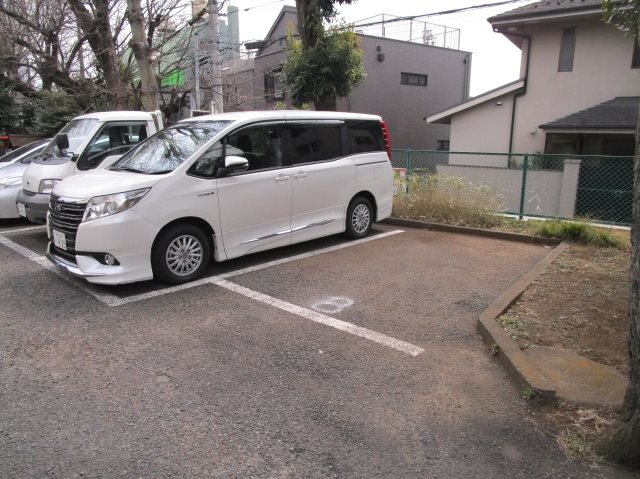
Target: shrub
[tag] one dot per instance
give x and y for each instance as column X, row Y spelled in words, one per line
column 578, row 232
column 446, row 199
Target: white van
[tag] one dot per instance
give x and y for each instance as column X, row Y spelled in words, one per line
column 88, row 141
column 223, row 186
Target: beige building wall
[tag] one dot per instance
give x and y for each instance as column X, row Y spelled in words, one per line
column 483, row 128
column 601, row 71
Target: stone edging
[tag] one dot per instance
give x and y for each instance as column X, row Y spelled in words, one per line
column 521, row 370
column 522, row 238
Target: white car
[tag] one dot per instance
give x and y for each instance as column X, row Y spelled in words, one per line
column 88, row 141
column 221, row 186
column 11, row 171
column 24, row 152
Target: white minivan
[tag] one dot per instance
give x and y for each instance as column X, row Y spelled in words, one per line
column 221, row 186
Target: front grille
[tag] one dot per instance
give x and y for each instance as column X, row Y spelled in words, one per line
column 65, row 216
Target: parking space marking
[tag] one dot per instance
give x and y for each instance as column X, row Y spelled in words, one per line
column 19, row 230
column 252, row 269
column 107, row 298
column 113, row 300
column 220, row 280
column 379, row 338
column 26, row 252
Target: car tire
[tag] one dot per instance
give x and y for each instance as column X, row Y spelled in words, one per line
column 180, row 254
column 359, row 218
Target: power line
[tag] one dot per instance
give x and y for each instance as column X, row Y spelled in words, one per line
column 442, row 12
column 262, row 5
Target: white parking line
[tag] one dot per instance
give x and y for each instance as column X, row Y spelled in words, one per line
column 113, row 300
column 219, row 280
column 379, row 338
column 251, row 269
column 107, row 298
column 19, row 230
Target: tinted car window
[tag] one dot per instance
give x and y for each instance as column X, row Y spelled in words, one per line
column 260, row 145
column 114, row 139
column 314, row 143
column 364, row 136
column 206, row 165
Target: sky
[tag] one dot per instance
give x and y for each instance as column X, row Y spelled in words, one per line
column 495, row 60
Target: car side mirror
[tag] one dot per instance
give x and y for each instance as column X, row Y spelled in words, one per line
column 62, row 141
column 233, row 164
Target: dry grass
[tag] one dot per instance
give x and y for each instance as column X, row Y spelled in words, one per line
column 446, row 199
column 584, row 426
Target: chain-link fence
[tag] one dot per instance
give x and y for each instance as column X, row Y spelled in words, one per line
column 597, row 188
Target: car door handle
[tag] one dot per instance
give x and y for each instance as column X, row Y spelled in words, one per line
column 300, row 175
column 281, row 178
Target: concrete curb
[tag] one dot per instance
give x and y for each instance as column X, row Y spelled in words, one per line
column 521, row 238
column 521, row 370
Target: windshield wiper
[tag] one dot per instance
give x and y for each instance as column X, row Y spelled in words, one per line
column 161, row 172
column 126, row 168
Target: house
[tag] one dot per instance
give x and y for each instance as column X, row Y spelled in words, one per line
column 578, row 91
column 413, row 69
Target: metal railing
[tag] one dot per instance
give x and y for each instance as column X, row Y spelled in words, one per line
column 598, row 188
column 409, row 30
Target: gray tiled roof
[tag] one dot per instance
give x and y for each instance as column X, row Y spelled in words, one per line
column 546, row 7
column 619, row 113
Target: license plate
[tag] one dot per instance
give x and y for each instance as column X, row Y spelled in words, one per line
column 59, row 240
column 22, row 211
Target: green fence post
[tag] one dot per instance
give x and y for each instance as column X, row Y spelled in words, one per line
column 523, row 189
column 408, row 168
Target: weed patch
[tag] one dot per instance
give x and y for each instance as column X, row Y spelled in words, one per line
column 446, row 199
column 578, row 232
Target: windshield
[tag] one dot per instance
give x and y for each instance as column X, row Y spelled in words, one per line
column 19, row 152
column 77, row 131
column 169, row 148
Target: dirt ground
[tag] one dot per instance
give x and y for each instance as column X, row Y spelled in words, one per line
column 580, row 304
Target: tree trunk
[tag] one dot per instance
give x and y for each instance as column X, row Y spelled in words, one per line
column 95, row 26
column 327, row 103
column 309, row 22
column 623, row 446
column 311, row 29
column 142, row 54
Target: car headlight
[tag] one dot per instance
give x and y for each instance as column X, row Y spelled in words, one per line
column 46, row 186
column 10, row 181
column 101, row 206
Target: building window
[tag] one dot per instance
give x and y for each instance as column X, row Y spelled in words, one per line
column 635, row 60
column 567, row 48
column 273, row 89
column 443, row 145
column 415, row 79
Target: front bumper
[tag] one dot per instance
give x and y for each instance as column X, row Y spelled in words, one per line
column 8, row 208
column 68, row 267
column 35, row 204
column 126, row 235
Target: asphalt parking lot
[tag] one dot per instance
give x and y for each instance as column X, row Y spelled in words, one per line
column 332, row 358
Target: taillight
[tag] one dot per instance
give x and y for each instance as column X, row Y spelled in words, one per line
column 385, row 136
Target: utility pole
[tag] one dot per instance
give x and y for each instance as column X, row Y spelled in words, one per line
column 81, row 56
column 196, row 73
column 215, row 59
